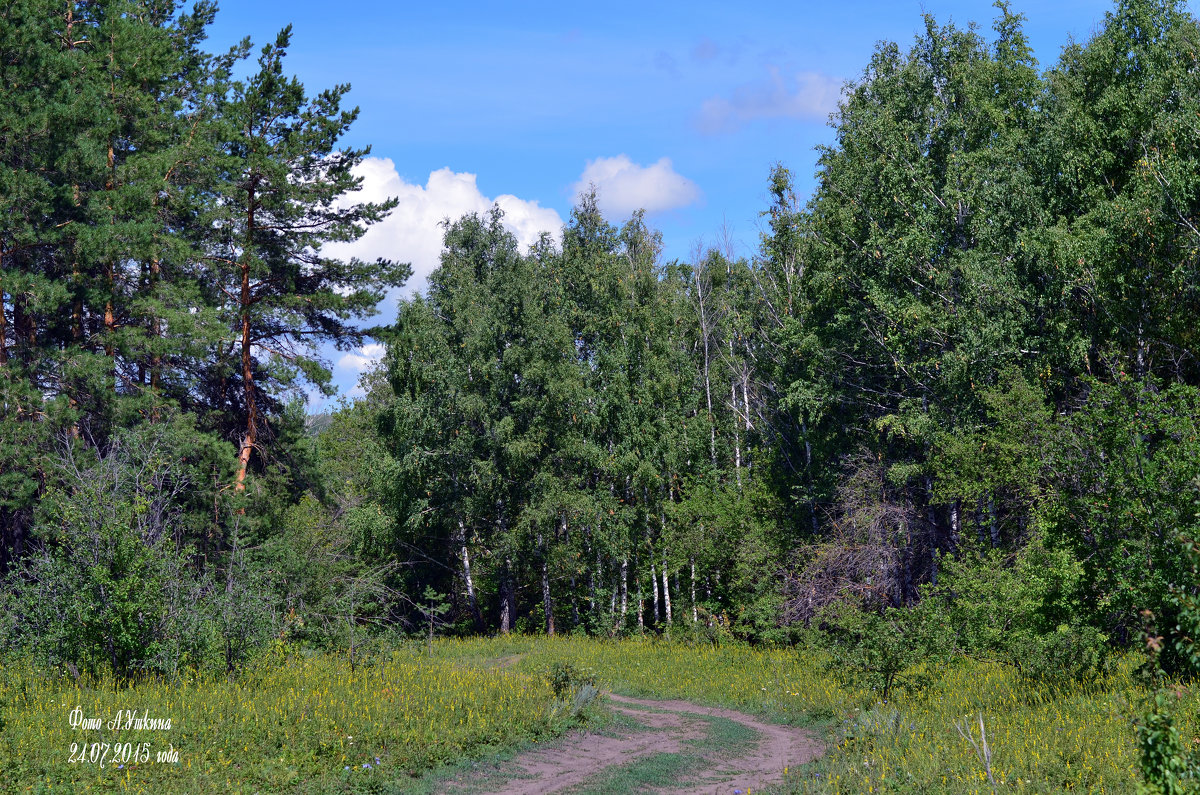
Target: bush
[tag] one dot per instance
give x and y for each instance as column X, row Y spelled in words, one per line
column 1026, row 610
column 881, row 649
column 1167, row 766
column 566, row 679
column 112, row 586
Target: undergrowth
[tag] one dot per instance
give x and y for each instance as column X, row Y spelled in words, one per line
column 1051, row 735
column 310, row 723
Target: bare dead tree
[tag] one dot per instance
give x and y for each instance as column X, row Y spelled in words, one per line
column 868, row 557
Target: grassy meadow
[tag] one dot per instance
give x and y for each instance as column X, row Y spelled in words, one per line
column 1043, row 736
column 311, row 724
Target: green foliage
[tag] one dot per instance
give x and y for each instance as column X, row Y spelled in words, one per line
column 1123, row 245
column 912, row 294
column 739, row 530
column 120, row 266
column 881, row 650
column 1123, row 467
column 112, row 588
column 1027, row 609
column 565, row 679
column 958, row 388
column 1006, row 454
column 1168, row 765
column 282, row 176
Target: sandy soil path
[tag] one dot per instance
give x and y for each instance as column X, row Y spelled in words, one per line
column 574, row 762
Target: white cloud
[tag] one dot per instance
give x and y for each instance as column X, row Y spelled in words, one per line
column 413, row 232
column 362, row 359
column 807, row 95
column 623, row 186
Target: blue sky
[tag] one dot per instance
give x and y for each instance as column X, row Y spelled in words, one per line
column 682, row 108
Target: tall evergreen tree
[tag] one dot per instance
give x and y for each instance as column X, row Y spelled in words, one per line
column 282, row 195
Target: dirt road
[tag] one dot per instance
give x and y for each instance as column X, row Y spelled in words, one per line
column 670, row 736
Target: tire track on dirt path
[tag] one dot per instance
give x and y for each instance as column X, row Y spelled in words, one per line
column 778, row 747
column 669, row 727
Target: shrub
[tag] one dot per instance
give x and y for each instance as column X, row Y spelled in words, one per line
column 1167, row 766
column 880, row 649
column 1025, row 610
column 566, row 679
column 112, row 586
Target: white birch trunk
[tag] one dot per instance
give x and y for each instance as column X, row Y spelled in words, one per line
column 737, row 441
column 472, row 600
column 641, row 602
column 624, row 588
column 666, row 587
column 654, row 583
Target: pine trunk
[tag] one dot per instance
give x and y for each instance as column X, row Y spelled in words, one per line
column 244, row 303
column 25, row 327
column 110, row 320
column 155, row 332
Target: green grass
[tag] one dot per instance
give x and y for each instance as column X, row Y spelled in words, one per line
column 722, row 738
column 307, row 723
column 297, row 724
column 655, row 771
column 1045, row 736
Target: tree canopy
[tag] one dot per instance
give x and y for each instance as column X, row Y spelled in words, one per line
column 964, row 369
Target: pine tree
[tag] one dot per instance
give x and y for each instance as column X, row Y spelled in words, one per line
column 282, row 194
